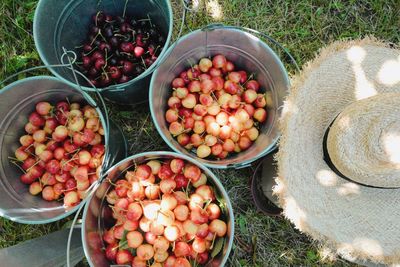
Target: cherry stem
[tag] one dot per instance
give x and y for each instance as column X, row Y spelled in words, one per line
column 122, row 244
column 72, row 158
column 101, row 35
column 148, row 19
column 97, row 16
column 109, row 180
column 67, row 190
column 36, row 163
column 125, row 6
column 155, row 50
column 16, row 164
column 15, row 159
column 62, row 112
column 88, row 53
column 95, row 37
column 195, row 263
column 144, row 63
column 214, row 96
column 208, row 202
column 151, row 24
column 125, row 53
column 33, row 155
column 28, row 147
column 40, row 182
column 160, row 211
column 187, row 190
column 251, row 76
column 212, row 244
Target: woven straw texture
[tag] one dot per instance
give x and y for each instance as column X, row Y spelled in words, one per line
column 357, row 222
column 364, row 141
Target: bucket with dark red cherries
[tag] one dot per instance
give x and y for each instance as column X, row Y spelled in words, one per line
column 118, row 44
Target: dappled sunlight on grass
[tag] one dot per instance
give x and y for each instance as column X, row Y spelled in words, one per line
column 327, row 254
column 215, row 10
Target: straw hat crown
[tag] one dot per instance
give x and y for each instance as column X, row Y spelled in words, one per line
column 339, row 156
column 363, row 142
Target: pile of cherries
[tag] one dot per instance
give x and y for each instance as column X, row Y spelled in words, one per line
column 215, row 109
column 119, row 49
column 62, row 151
column 165, row 215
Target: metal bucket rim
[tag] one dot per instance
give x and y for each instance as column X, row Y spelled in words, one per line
column 204, row 168
column 217, row 165
column 146, row 73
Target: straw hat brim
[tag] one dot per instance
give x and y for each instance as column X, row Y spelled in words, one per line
column 356, row 222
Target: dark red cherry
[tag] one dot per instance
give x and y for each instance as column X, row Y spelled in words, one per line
column 127, row 67
column 115, row 73
column 127, row 47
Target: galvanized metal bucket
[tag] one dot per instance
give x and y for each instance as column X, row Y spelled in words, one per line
column 261, row 185
column 17, row 101
column 248, row 52
column 64, row 23
column 97, row 214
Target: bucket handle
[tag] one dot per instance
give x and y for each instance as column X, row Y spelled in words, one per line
column 63, row 65
column 216, row 26
column 76, row 223
column 75, row 72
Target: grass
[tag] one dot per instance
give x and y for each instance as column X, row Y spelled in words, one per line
column 302, row 26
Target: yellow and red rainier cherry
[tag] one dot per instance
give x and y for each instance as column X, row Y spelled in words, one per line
column 166, row 214
column 62, row 151
column 215, row 109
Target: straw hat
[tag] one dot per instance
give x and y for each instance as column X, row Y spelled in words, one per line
column 339, row 157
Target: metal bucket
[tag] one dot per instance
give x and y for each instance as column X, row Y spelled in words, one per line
column 97, row 214
column 64, row 23
column 262, row 183
column 249, row 53
column 17, row 101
